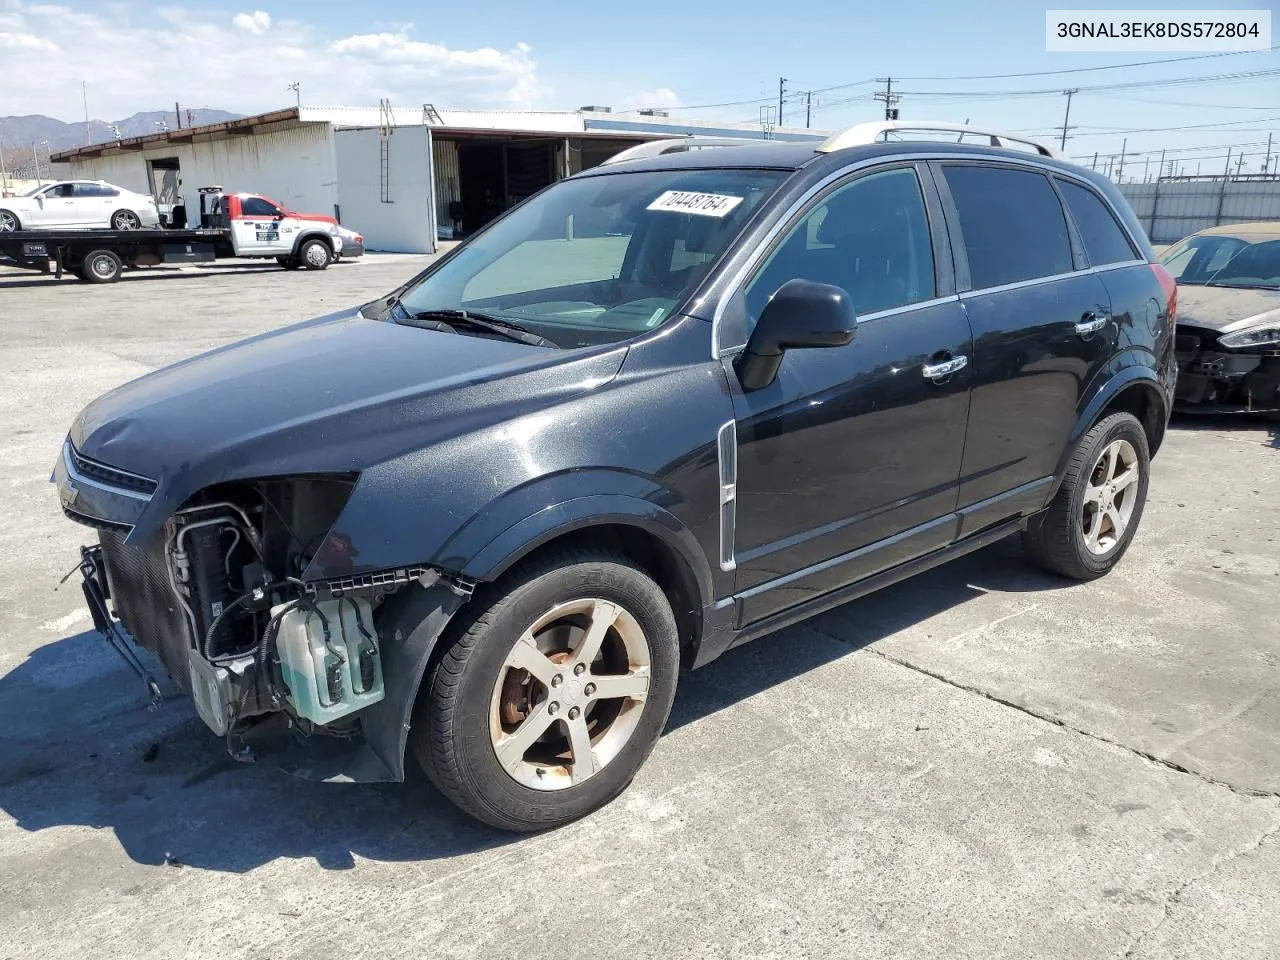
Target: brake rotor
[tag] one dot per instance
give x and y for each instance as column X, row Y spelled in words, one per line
column 518, row 689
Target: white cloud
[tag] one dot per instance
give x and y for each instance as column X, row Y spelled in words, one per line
column 26, row 41
column 663, row 98
column 256, row 23
column 138, row 57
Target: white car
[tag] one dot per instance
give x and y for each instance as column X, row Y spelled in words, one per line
column 78, row 204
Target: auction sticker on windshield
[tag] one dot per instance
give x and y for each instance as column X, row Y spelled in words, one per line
column 703, row 204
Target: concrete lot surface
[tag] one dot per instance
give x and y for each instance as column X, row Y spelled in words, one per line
column 983, row 762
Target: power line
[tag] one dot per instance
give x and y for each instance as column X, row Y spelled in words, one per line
column 1113, row 66
column 1182, row 103
column 1242, row 76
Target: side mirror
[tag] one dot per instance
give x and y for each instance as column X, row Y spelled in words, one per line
column 801, row 313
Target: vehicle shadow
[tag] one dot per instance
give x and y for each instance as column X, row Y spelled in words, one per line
column 79, row 747
column 143, row 274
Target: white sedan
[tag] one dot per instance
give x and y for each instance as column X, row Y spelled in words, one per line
column 78, row 204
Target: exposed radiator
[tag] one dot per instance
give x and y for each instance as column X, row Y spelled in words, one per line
column 144, row 601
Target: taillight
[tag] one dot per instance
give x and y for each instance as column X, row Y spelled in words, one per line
column 1170, row 288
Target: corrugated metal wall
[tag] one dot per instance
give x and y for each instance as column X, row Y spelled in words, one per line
column 294, row 165
column 448, row 179
column 1170, row 210
column 400, row 219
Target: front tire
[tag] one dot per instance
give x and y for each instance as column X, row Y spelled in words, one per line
column 9, row 222
column 125, row 220
column 552, row 692
column 314, row 254
column 1093, row 518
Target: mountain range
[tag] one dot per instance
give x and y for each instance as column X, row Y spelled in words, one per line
column 18, row 135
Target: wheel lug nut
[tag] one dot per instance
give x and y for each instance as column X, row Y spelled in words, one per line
column 580, row 669
column 589, row 689
column 574, row 713
column 557, row 680
column 553, row 708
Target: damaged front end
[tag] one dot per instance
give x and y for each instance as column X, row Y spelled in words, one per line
column 1234, row 372
column 221, row 596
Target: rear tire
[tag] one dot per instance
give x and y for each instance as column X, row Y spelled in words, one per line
column 524, row 722
column 314, row 254
column 125, row 220
column 1093, row 518
column 9, row 222
column 101, row 266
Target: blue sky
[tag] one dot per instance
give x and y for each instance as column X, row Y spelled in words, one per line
column 502, row 53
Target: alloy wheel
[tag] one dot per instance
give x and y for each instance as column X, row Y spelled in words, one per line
column 570, row 694
column 125, row 220
column 1109, row 497
column 8, row 223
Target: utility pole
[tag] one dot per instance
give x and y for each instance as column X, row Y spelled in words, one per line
column 889, row 98
column 1227, row 171
column 190, row 118
column 84, row 92
column 808, row 108
column 35, row 155
column 1124, row 145
column 1094, row 165
column 1266, row 164
column 177, row 115
column 1067, row 116
column 4, row 174
column 1146, row 169
column 782, row 85
column 1240, row 164
column 296, row 87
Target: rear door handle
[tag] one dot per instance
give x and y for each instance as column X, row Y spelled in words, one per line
column 937, row 371
column 1093, row 321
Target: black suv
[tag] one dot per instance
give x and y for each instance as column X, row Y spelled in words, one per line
column 663, row 407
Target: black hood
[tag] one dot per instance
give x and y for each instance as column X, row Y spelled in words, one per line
column 335, row 394
column 1216, row 308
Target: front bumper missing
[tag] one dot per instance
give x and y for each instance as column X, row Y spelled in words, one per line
column 224, row 693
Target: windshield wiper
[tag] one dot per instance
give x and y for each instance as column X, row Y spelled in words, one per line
column 479, row 321
column 1242, row 286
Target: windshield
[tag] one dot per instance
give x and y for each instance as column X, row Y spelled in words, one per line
column 34, row 190
column 1225, row 261
column 600, row 258
column 1257, row 265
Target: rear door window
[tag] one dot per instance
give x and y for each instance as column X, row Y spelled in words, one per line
column 1011, row 222
column 1104, row 240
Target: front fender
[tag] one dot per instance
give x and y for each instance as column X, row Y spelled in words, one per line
column 558, row 519
column 306, row 235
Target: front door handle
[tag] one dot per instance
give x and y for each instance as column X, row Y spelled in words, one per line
column 938, row 371
column 1092, row 322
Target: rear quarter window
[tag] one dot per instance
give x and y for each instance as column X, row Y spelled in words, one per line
column 1104, row 240
column 1011, row 222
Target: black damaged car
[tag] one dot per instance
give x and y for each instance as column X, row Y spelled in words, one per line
column 664, row 407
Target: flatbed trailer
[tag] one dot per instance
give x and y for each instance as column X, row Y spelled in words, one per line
column 100, row 256
column 232, row 225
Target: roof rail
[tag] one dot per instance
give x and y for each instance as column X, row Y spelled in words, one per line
column 659, row 148
column 879, row 131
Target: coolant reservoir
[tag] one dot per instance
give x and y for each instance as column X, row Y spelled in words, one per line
column 330, row 676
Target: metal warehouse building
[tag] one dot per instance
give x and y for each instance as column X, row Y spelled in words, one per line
column 401, row 181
